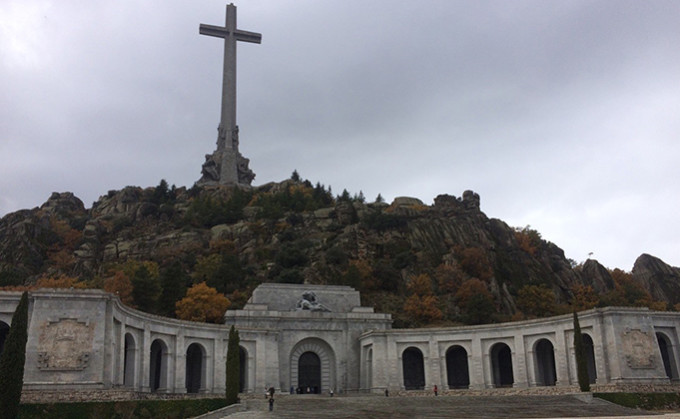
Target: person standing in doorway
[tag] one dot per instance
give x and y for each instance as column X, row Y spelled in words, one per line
column 435, row 390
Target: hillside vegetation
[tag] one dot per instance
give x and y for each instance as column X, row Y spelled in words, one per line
column 193, row 253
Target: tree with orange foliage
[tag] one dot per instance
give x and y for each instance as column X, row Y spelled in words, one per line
column 585, row 297
column 537, row 301
column 421, row 285
column 422, row 305
column 424, row 309
column 476, row 302
column 449, row 278
column 61, row 281
column 120, row 285
column 202, row 304
column 474, row 262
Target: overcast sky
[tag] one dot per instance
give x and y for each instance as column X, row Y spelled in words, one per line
column 562, row 115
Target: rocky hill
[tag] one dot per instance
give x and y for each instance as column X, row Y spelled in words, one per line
column 398, row 254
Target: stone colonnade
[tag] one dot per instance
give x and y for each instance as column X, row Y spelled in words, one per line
column 623, row 345
column 88, row 340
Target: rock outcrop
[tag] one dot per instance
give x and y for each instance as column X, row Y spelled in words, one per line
column 278, row 235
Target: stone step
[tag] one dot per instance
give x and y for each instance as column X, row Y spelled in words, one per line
column 379, row 407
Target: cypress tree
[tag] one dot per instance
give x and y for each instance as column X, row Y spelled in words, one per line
column 581, row 363
column 12, row 361
column 233, row 366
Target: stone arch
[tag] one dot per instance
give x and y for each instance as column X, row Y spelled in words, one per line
column 129, row 360
column 589, row 349
column 544, row 360
column 457, row 371
column 158, row 366
column 242, row 369
column 667, row 355
column 194, row 377
column 501, row 365
column 326, row 357
column 413, row 367
column 4, row 330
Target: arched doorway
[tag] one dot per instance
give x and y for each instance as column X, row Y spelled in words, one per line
column 158, row 365
column 457, row 373
column 129, row 361
column 326, row 356
column 666, row 349
column 4, row 330
column 544, row 355
column 369, row 369
column 414, row 369
column 242, row 369
column 501, row 365
column 194, row 368
column 589, row 348
column 309, row 373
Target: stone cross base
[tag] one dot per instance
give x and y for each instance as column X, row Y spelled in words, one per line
column 226, row 167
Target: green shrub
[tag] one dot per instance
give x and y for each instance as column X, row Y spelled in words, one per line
column 12, row 361
column 151, row 409
column 647, row 401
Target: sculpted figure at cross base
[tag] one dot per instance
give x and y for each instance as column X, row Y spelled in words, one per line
column 226, row 165
column 309, row 302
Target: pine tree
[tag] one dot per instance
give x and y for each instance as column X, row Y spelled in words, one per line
column 233, row 367
column 146, row 290
column 12, row 361
column 581, row 363
column 173, row 285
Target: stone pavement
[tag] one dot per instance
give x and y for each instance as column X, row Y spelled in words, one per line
column 380, row 407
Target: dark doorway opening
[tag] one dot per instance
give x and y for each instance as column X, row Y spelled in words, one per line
column 457, row 373
column 501, row 365
column 590, row 357
column 309, row 373
column 156, row 365
column 665, row 354
column 4, row 330
column 242, row 371
column 414, row 369
column 194, row 368
column 545, row 363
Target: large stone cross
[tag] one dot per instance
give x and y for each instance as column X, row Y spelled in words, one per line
column 226, row 158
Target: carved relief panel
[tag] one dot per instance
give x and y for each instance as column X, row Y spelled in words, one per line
column 65, row 344
column 639, row 348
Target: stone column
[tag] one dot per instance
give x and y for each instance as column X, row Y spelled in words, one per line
column 519, row 365
column 146, row 358
column 179, row 381
column 561, row 356
column 219, row 366
column 478, row 364
column 435, row 374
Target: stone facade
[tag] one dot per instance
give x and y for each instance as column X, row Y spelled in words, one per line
column 86, row 340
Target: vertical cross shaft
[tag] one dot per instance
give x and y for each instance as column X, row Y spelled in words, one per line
column 230, row 34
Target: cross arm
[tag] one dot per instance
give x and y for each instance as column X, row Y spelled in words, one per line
column 210, row 30
column 246, row 36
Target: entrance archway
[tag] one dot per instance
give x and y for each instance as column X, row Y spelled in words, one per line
column 158, row 365
column 544, row 354
column 4, row 330
column 194, row 368
column 666, row 349
column 326, row 361
column 501, row 365
column 309, row 373
column 589, row 348
column 129, row 361
column 457, row 373
column 414, row 369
